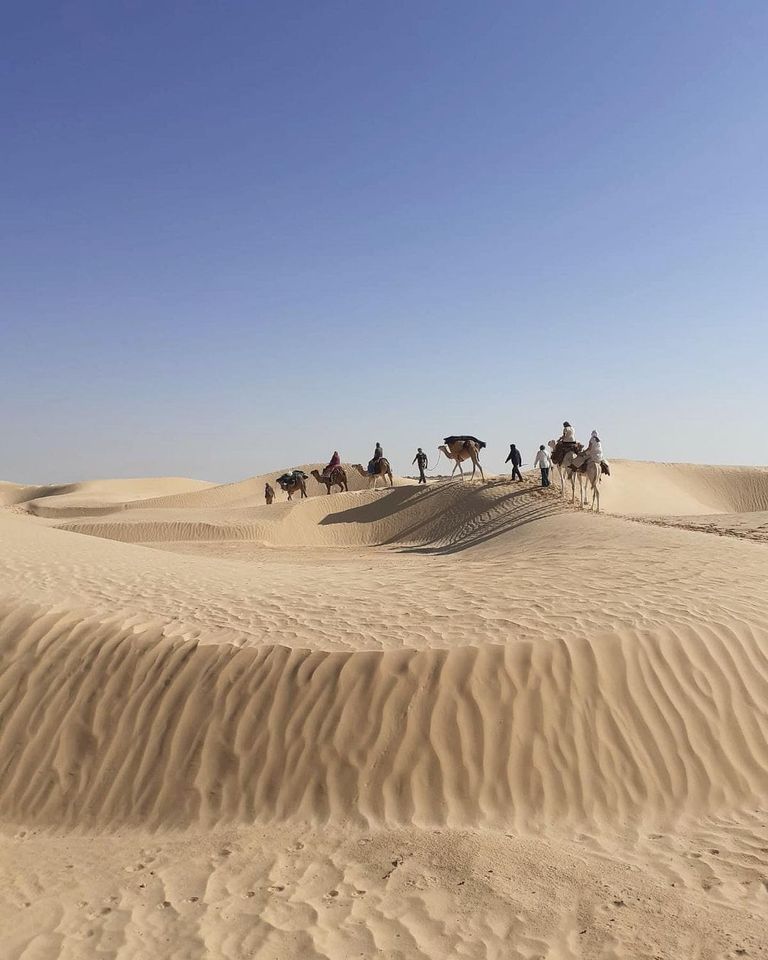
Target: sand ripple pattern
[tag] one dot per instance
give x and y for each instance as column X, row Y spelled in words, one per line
column 106, row 723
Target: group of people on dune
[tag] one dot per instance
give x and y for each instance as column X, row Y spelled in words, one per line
column 567, row 443
column 543, row 459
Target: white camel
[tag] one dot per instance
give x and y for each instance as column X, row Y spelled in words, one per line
column 564, row 471
column 589, row 477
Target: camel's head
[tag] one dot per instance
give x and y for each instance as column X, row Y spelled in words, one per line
column 443, row 449
column 315, row 474
column 552, row 444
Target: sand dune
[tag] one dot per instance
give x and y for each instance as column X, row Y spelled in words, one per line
column 447, row 512
column 466, row 720
column 661, row 489
column 140, row 729
column 93, row 497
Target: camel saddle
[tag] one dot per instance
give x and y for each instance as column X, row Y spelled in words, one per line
column 463, row 439
column 561, row 448
column 604, row 467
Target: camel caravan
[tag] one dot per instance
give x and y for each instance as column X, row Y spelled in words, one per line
column 573, row 461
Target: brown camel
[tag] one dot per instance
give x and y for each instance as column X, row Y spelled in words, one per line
column 336, row 478
column 382, row 469
column 461, row 450
column 299, row 484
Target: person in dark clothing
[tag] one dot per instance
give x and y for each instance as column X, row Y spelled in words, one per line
column 373, row 464
column 421, row 462
column 516, row 460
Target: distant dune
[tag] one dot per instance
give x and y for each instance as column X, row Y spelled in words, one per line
column 96, row 496
column 637, row 487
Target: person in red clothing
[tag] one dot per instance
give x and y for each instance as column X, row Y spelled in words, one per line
column 334, row 462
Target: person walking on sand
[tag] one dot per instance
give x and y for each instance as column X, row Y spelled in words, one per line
column 516, row 460
column 269, row 493
column 421, row 462
column 543, row 462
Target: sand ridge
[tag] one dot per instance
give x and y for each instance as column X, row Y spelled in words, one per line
column 144, row 730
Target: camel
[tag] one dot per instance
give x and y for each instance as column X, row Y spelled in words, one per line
column 590, row 474
column 564, row 469
column 382, row 469
column 298, row 484
column 336, row 478
column 460, row 450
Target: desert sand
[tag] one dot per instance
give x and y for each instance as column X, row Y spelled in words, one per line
column 467, row 720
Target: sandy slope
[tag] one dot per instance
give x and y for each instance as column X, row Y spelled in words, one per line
column 95, row 496
column 661, row 489
column 461, row 721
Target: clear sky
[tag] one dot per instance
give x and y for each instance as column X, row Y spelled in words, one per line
column 238, row 235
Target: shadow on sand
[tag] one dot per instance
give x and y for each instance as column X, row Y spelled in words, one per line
column 480, row 520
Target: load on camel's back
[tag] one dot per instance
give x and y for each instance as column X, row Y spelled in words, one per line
column 295, row 481
column 463, row 447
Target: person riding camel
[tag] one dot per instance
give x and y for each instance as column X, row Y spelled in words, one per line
column 331, row 466
column 594, row 448
column 378, row 454
column 593, row 453
column 566, row 442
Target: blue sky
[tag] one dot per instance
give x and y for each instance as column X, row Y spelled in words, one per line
column 236, row 236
